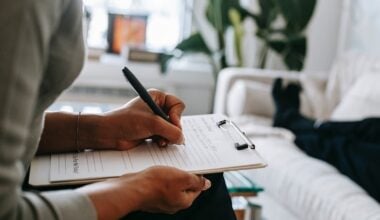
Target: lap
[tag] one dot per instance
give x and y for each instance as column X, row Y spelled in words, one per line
column 214, row 203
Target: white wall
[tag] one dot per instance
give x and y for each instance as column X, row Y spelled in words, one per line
column 323, row 35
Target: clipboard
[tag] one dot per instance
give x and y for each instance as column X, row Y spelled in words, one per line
column 214, row 144
column 228, row 124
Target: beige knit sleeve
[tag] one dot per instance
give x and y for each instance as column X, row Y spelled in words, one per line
column 26, row 29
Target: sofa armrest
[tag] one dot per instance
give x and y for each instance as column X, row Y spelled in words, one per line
column 247, row 91
column 227, row 78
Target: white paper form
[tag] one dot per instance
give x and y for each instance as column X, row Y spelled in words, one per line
column 208, row 149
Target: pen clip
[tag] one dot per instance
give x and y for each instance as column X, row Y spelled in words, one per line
column 242, row 134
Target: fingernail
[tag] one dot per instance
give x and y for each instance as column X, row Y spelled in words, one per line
column 207, row 184
column 162, row 143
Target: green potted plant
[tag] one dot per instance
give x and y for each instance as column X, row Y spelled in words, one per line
column 288, row 40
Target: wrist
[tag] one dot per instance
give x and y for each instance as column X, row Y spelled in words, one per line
column 114, row 198
column 88, row 131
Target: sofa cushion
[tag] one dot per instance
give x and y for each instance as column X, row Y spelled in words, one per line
column 308, row 187
column 361, row 101
column 346, row 70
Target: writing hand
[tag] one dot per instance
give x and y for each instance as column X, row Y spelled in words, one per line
column 127, row 126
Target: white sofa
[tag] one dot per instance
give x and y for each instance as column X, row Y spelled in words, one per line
column 297, row 186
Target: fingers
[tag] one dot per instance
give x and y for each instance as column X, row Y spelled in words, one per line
column 168, row 189
column 170, row 104
column 197, row 183
column 127, row 144
column 166, row 130
column 176, row 107
column 171, row 132
column 162, row 142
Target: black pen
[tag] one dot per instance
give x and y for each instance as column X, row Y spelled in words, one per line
column 141, row 91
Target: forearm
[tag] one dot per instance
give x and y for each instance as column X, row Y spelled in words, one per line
column 65, row 132
column 120, row 129
column 110, row 201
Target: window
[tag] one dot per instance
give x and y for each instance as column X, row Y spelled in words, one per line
column 168, row 21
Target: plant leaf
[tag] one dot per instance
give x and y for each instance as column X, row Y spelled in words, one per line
column 293, row 61
column 235, row 18
column 297, row 13
column 245, row 13
column 295, row 56
column 194, row 43
column 268, row 14
column 164, row 61
column 217, row 13
column 278, row 45
column 293, row 51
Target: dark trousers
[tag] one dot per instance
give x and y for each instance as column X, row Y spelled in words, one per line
column 352, row 147
column 215, row 203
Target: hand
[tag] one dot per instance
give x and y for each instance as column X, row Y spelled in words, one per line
column 157, row 189
column 127, row 126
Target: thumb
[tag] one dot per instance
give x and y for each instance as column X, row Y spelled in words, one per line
column 198, row 183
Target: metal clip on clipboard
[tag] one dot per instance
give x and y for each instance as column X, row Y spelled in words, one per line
column 238, row 146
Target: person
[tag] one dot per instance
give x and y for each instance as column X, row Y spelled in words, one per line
column 41, row 53
column 353, row 147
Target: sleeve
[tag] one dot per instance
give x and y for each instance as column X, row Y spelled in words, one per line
column 26, row 28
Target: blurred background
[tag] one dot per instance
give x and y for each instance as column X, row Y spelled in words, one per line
column 150, row 38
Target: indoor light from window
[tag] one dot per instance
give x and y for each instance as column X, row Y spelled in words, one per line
column 168, row 21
